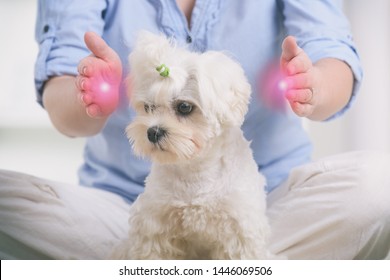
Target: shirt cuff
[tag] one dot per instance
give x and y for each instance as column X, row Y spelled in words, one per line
column 345, row 51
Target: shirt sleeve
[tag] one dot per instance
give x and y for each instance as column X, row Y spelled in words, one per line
column 323, row 31
column 59, row 32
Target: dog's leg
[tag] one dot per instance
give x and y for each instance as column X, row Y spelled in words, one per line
column 241, row 248
column 152, row 233
column 237, row 241
column 140, row 246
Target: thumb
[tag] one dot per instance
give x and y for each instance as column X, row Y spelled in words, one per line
column 290, row 49
column 99, row 47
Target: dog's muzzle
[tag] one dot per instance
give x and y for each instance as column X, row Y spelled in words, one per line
column 155, row 134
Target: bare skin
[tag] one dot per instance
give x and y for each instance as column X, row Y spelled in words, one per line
column 76, row 109
column 186, row 6
column 315, row 91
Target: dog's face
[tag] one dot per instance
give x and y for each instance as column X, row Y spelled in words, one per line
column 179, row 114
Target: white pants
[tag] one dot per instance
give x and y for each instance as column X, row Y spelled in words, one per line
column 335, row 208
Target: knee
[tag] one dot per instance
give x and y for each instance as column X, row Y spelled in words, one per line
column 369, row 200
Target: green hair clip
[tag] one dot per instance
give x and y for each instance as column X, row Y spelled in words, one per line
column 163, row 70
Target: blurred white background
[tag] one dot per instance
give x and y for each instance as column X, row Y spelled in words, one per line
column 367, row 124
column 28, row 142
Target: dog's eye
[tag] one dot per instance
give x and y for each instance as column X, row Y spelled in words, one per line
column 184, row 108
column 149, row 108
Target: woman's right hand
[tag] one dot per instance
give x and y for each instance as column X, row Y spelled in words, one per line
column 99, row 78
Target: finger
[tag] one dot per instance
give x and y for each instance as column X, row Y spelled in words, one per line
column 99, row 47
column 80, row 98
column 87, row 98
column 84, row 99
column 302, row 110
column 83, row 83
column 87, row 67
column 79, row 82
column 94, row 111
column 299, row 95
column 300, row 81
column 298, row 64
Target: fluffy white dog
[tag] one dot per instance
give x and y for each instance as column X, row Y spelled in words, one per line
column 204, row 197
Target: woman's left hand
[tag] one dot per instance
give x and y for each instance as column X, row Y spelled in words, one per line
column 300, row 78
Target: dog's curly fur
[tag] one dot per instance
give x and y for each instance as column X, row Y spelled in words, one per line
column 204, row 197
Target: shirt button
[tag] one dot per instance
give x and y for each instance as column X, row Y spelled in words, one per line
column 189, row 39
column 46, row 28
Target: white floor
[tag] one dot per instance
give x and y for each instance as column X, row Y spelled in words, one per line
column 41, row 152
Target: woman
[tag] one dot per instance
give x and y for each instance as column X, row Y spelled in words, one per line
column 315, row 208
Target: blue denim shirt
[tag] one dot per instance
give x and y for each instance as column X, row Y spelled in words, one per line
column 250, row 31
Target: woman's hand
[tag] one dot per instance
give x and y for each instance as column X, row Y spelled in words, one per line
column 316, row 91
column 99, row 78
column 300, row 78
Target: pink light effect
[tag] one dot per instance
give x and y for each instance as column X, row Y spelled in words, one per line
column 272, row 88
column 104, row 87
column 106, row 95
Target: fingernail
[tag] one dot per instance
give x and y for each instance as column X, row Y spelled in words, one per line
column 84, row 70
column 80, row 98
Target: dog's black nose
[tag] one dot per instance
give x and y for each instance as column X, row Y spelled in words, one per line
column 155, row 133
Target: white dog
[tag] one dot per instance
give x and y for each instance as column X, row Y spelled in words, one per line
column 204, row 197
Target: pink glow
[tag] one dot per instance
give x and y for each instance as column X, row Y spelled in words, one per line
column 106, row 95
column 104, row 87
column 272, row 88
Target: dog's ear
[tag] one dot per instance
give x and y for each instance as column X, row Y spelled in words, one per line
column 226, row 86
